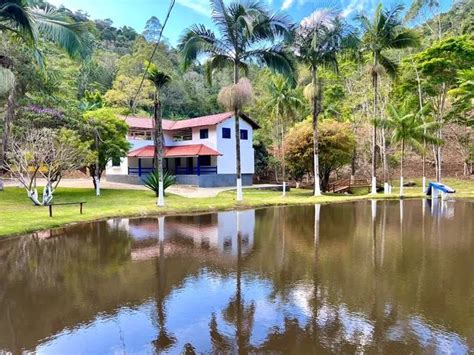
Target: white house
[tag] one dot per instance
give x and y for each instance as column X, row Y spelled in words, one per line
column 198, row 151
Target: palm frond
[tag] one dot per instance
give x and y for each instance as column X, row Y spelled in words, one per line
column 198, row 40
column 56, row 28
column 389, row 65
column 15, row 17
column 276, row 58
column 405, row 39
column 7, row 80
column 157, row 77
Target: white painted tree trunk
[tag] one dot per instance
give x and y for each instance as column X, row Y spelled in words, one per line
column 374, row 186
column 284, row 189
column 240, row 195
column 386, row 188
column 97, row 186
column 423, row 184
column 161, row 194
column 317, row 188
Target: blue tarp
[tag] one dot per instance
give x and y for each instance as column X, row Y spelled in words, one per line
column 439, row 187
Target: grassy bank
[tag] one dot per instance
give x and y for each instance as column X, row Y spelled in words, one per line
column 18, row 216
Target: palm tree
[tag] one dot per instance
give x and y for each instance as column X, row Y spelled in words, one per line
column 284, row 101
column 381, row 33
column 28, row 24
column 408, row 130
column 318, row 42
column 159, row 80
column 249, row 32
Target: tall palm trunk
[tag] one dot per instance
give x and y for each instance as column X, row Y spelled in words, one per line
column 316, row 109
column 401, row 168
column 282, row 149
column 420, row 102
column 158, row 142
column 375, row 82
column 240, row 196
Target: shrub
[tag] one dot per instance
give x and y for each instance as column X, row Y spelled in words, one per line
column 151, row 181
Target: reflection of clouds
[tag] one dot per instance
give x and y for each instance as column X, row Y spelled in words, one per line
column 438, row 339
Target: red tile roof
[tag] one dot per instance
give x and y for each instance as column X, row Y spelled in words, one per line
column 169, row 125
column 191, row 150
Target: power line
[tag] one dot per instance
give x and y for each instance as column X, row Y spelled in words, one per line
column 134, row 102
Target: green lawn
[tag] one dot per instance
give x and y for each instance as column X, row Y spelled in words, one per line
column 18, row 215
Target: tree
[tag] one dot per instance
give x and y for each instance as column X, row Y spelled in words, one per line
column 107, row 136
column 283, row 104
column 381, row 33
column 48, row 154
column 408, row 130
column 248, row 33
column 159, row 80
column 27, row 24
column 336, row 144
column 439, row 67
column 318, row 41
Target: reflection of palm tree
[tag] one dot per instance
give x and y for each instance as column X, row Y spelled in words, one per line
column 235, row 313
column 164, row 340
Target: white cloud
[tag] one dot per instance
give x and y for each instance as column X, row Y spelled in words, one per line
column 354, row 5
column 200, row 6
column 287, row 4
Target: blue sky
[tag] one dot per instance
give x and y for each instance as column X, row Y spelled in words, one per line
column 134, row 13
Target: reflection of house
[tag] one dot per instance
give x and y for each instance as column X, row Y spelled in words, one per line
column 199, row 151
column 215, row 232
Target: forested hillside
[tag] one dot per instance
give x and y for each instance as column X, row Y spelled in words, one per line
column 108, row 71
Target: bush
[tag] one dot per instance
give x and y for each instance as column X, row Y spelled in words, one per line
column 151, row 181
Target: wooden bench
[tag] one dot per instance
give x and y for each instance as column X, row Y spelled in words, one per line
column 80, row 203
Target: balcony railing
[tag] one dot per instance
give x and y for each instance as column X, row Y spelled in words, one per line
column 140, row 171
column 199, row 170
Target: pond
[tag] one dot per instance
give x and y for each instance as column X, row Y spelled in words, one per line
column 385, row 277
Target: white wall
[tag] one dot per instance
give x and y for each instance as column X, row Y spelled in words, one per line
column 226, row 162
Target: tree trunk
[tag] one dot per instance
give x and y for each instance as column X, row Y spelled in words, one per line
column 9, row 117
column 97, row 165
column 158, row 152
column 317, row 95
column 283, row 164
column 238, row 172
column 374, row 130
column 401, row 168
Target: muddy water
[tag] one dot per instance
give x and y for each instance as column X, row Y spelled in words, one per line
column 375, row 277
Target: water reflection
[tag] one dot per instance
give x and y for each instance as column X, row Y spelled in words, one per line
column 371, row 276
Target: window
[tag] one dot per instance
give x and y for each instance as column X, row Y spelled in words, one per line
column 244, row 134
column 183, row 135
column 140, row 134
column 205, row 160
column 116, row 161
column 226, row 133
column 204, row 133
column 177, row 162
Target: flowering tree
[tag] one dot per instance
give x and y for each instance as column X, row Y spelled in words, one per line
column 48, row 154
